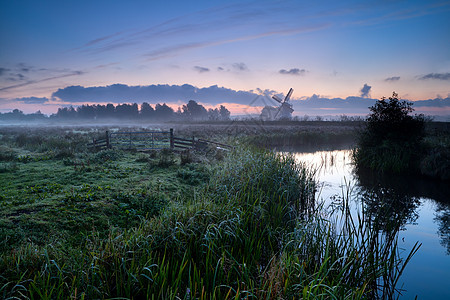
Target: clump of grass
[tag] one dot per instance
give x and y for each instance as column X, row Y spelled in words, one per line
column 144, row 204
column 108, row 155
column 277, row 177
column 142, row 157
column 6, row 167
column 194, row 174
column 164, row 159
column 186, row 157
column 436, row 163
column 7, row 154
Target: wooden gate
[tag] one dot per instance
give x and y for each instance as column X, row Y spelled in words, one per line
column 153, row 140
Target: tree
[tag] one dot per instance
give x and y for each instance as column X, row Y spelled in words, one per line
column 224, row 113
column 392, row 138
column 66, row 113
column 86, row 111
column 146, row 111
column 163, row 112
column 213, row 114
column 194, row 111
column 110, row 110
column 127, row 111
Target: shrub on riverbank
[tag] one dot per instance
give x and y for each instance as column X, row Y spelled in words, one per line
column 392, row 138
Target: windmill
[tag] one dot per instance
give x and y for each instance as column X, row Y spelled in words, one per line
column 285, row 110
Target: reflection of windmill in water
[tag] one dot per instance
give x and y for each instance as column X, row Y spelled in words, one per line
column 284, row 111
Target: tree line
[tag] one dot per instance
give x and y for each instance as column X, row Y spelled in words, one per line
column 191, row 111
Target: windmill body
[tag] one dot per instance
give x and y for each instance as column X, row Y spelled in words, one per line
column 285, row 110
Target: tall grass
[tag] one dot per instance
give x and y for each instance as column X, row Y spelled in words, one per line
column 253, row 232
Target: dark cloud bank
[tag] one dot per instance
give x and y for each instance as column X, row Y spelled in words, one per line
column 119, row 93
column 436, row 76
column 317, row 105
column 314, row 105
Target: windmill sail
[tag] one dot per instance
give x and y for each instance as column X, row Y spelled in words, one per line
column 274, row 97
column 288, row 95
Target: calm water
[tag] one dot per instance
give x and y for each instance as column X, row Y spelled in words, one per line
column 421, row 208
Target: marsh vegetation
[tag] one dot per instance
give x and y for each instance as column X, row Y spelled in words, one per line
column 242, row 224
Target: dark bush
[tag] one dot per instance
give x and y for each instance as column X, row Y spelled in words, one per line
column 392, row 138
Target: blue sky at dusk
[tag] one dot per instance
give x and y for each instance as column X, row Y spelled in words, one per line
column 56, row 53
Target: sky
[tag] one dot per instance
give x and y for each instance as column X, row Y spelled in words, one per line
column 59, row 53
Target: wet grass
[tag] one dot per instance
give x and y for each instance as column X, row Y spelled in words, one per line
column 131, row 225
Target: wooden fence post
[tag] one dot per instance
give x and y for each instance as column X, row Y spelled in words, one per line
column 171, row 139
column 107, row 140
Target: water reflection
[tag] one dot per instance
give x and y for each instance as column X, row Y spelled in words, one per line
column 443, row 220
column 418, row 207
column 388, row 209
column 409, row 186
column 398, row 197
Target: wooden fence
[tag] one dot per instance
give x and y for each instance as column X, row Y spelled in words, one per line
column 153, row 140
column 141, row 140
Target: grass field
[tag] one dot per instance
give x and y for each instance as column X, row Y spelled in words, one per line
column 225, row 225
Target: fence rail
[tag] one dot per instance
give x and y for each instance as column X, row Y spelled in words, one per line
column 153, row 140
column 180, row 143
column 141, row 140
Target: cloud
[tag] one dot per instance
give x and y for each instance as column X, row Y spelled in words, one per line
column 240, row 66
column 394, row 78
column 73, row 73
column 103, row 38
column 223, row 21
column 317, row 104
column 220, row 69
column 438, row 76
column 3, row 71
column 119, row 93
column 437, row 102
column 175, row 50
column 365, row 90
column 227, row 21
column 33, row 100
column 24, row 67
column 295, row 71
column 201, row 69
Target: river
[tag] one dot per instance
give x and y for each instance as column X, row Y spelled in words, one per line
column 421, row 207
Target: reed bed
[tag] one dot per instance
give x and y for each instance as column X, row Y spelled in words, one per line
column 254, row 231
